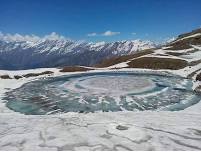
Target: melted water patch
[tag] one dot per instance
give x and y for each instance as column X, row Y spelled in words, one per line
column 108, row 91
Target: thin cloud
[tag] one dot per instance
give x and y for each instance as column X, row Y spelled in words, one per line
column 30, row 38
column 133, row 33
column 54, row 36
column 92, row 34
column 110, row 33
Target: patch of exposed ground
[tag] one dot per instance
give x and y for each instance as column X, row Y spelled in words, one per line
column 193, row 51
column 185, row 44
column 193, row 73
column 17, row 77
column 26, row 75
column 198, row 77
column 181, row 43
column 5, row 77
column 161, row 54
column 74, row 69
column 36, row 74
column 198, row 89
column 158, row 63
column 196, row 62
column 190, row 33
column 119, row 59
column 175, row 53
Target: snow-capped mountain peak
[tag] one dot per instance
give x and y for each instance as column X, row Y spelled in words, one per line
column 31, row 51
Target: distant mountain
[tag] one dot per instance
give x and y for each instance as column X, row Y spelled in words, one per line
column 25, row 52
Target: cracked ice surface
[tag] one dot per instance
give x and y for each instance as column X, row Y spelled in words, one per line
column 103, row 92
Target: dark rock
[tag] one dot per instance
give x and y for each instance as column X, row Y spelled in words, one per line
column 74, row 69
column 37, row 74
column 120, row 127
column 198, row 77
column 17, row 77
column 5, row 77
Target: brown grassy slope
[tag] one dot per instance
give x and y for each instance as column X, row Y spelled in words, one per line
column 119, row 59
column 74, row 69
column 186, row 43
column 190, row 33
column 158, row 63
column 175, row 53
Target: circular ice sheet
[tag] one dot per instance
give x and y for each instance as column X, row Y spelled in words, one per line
column 104, row 91
column 110, row 85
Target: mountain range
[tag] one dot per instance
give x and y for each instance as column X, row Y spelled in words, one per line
column 27, row 52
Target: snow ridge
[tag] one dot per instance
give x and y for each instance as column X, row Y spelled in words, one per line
column 23, row 50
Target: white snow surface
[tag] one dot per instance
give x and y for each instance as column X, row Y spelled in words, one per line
column 145, row 130
column 119, row 65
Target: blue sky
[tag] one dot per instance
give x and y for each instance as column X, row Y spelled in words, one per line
column 101, row 20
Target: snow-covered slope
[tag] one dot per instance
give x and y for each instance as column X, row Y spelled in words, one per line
column 30, row 51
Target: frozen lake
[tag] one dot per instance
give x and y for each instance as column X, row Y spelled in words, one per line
column 103, row 91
